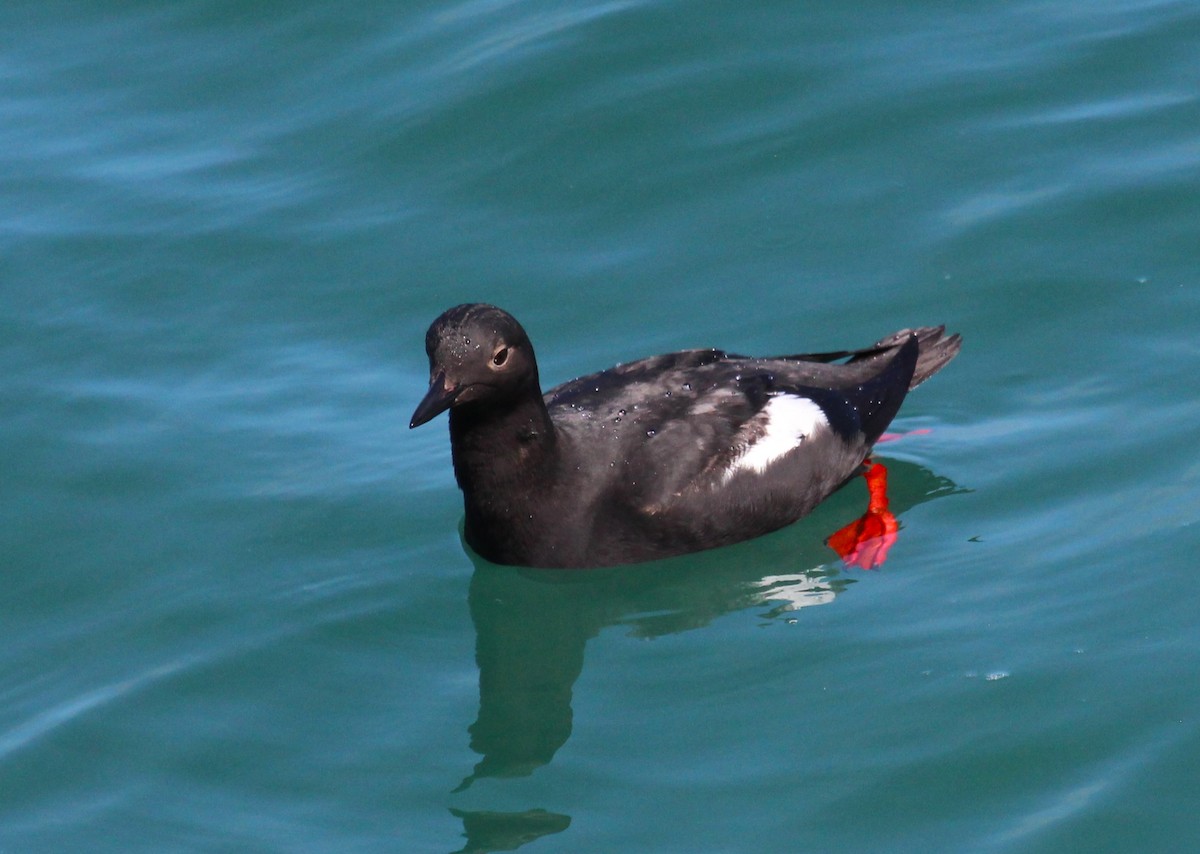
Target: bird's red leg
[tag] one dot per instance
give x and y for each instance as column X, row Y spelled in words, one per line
column 865, row 541
column 891, row 437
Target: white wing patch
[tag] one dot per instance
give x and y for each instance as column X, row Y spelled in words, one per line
column 786, row 422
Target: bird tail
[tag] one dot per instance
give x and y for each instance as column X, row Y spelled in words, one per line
column 935, row 349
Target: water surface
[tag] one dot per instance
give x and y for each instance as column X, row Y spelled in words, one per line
column 238, row 614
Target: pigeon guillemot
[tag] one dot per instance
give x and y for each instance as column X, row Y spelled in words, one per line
column 659, row 457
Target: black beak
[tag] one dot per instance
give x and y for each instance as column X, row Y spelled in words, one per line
column 437, row 400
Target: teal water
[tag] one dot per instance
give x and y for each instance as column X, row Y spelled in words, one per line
column 237, row 614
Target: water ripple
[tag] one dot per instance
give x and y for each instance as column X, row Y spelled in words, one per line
column 49, row 720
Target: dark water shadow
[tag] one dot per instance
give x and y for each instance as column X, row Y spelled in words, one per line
column 532, row 627
column 506, row 831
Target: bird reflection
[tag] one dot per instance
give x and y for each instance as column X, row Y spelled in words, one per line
column 506, row 831
column 532, row 625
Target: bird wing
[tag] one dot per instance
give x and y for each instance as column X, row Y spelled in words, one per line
column 688, row 424
column 597, row 391
column 670, row 417
column 689, row 428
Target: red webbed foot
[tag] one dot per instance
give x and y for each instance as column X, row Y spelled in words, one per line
column 865, row 541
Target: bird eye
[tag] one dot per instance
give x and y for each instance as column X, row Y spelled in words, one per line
column 500, row 357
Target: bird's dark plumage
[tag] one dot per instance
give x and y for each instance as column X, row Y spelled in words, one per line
column 659, row 457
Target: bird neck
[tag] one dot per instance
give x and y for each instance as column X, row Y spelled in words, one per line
column 504, row 460
column 497, row 447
